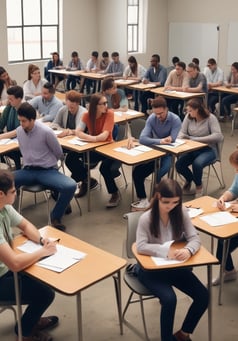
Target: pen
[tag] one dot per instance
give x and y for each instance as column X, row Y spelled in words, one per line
column 57, row 240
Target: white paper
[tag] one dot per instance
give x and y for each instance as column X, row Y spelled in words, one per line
column 118, row 113
column 77, row 141
column 131, row 112
column 176, row 143
column 194, row 212
column 219, row 218
column 165, row 261
column 131, row 152
column 57, row 132
column 8, row 141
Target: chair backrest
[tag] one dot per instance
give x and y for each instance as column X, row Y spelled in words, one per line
column 137, row 126
column 132, row 222
column 219, row 149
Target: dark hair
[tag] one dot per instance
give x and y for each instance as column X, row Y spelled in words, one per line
column 52, row 53
column 92, row 111
column 175, row 60
column 94, row 54
column 6, row 180
column 193, row 66
column 134, row 67
column 73, row 96
column 159, row 102
column 50, row 87
column 1, row 86
column 197, row 103
column 182, row 65
column 235, row 65
column 2, row 70
column 32, row 68
column 74, row 54
column 107, row 83
column 105, row 54
column 167, row 188
column 115, row 54
column 211, row 61
column 157, row 56
column 26, row 110
column 16, row 91
column 234, row 158
column 195, row 61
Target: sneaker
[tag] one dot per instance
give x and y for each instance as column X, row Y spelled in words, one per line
column 47, row 322
column 114, row 201
column 93, row 183
column 141, row 204
column 187, row 190
column 119, row 181
column 228, row 276
column 58, row 225
column 68, row 210
column 199, row 193
column 84, row 187
column 178, row 336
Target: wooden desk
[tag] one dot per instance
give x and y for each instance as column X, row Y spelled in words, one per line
column 9, row 147
column 177, row 94
column 66, row 72
column 223, row 89
column 96, row 266
column 188, row 146
column 125, row 82
column 201, row 258
column 224, row 232
column 143, row 87
column 97, row 76
column 109, row 151
column 127, row 116
column 65, row 143
column 60, row 96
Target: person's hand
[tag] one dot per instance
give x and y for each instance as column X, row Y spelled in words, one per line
column 182, row 254
column 49, row 248
column 145, row 81
column 234, row 207
column 131, row 143
column 166, row 140
column 221, row 204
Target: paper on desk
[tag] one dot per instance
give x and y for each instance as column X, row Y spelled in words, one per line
column 57, row 132
column 131, row 112
column 165, row 261
column 77, row 141
column 176, row 143
column 138, row 150
column 8, row 141
column 219, row 218
column 194, row 212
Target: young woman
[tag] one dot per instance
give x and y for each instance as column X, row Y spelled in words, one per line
column 37, row 294
column 165, row 221
column 198, row 125
column 54, row 63
column 5, row 83
column 33, row 86
column 99, row 122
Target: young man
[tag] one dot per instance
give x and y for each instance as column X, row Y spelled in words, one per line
column 41, row 151
column 116, row 98
column 47, row 104
column 116, row 68
column 37, row 295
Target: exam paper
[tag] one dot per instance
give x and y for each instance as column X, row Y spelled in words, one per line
column 138, row 150
column 165, row 261
column 77, row 141
column 194, row 212
column 219, row 218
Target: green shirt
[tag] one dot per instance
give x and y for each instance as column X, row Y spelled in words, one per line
column 9, row 119
column 8, row 217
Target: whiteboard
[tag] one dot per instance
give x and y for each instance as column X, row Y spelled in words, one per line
column 232, row 47
column 189, row 40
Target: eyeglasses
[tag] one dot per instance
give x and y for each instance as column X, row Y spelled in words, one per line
column 103, row 103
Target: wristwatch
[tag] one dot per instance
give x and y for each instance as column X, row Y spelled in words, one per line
column 41, row 241
column 190, row 249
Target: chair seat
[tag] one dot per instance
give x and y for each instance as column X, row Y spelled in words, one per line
column 34, row 188
column 135, row 285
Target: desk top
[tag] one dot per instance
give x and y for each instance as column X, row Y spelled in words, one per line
column 177, row 94
column 66, row 72
column 6, row 148
column 60, row 96
column 207, row 204
column 95, row 75
column 97, row 265
column 125, row 82
column 64, row 142
column 143, row 87
column 109, row 151
column 202, row 257
column 128, row 115
column 222, row 88
column 186, row 147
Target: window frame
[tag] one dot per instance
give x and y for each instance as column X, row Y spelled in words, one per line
column 133, row 29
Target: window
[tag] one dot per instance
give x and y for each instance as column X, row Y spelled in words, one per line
column 136, row 23
column 32, row 29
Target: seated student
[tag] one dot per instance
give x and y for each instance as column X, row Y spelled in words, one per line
column 33, row 86
column 54, row 63
column 116, row 98
column 91, row 66
column 197, row 80
column 166, row 221
column 37, row 295
column 41, row 151
column 156, row 74
column 230, row 195
column 104, row 62
column 69, row 118
column 9, row 120
column 74, row 64
column 228, row 99
column 162, row 127
column 115, row 67
column 175, row 60
column 99, row 122
column 47, row 105
column 5, row 83
column 198, row 125
column 196, row 61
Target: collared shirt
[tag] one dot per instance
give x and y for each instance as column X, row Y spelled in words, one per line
column 115, row 68
column 194, row 82
column 156, row 74
column 214, row 77
column 177, row 80
column 9, row 119
column 39, row 147
column 47, row 109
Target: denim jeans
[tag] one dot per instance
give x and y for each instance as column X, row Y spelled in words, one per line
column 198, row 159
column 226, row 102
column 53, row 180
column 233, row 245
column 161, row 283
column 38, row 296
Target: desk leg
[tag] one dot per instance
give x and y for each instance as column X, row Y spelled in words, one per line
column 132, row 185
column 88, row 185
column 209, row 286
column 117, row 283
column 226, row 244
column 79, row 317
column 171, row 172
column 18, row 302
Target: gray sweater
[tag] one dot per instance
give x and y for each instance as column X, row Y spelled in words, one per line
column 61, row 118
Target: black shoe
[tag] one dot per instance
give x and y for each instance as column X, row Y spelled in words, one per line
column 54, row 195
column 58, row 225
column 93, row 183
column 82, row 190
column 68, row 210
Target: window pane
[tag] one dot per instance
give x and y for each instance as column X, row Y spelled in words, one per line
column 49, row 40
column 14, row 17
column 129, row 39
column 14, row 44
column 133, row 2
column 32, row 43
column 135, row 38
column 132, row 15
column 49, row 12
column 31, row 12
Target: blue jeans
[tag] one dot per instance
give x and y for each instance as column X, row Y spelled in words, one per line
column 161, row 283
column 198, row 159
column 226, row 102
column 229, row 266
column 37, row 295
column 53, row 180
column 71, row 82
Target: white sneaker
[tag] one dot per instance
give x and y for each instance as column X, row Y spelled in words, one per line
column 228, row 276
column 119, row 180
column 141, row 204
column 199, row 193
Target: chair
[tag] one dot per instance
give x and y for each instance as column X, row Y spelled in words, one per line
column 212, row 165
column 137, row 126
column 234, row 115
column 131, row 281
column 7, row 305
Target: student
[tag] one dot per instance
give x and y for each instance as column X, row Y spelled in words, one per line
column 175, row 60
column 68, row 120
column 33, row 86
column 161, row 127
column 115, row 67
column 5, row 83
column 74, row 64
column 104, row 62
column 41, row 151
column 47, row 105
column 99, row 122
column 198, row 125
column 230, row 195
column 54, row 63
column 116, row 98
column 9, row 120
column 228, row 99
column 197, row 80
column 37, row 295
column 196, row 61
column 156, row 74
column 166, row 221
column 91, row 66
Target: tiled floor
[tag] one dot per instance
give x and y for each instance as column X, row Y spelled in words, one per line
column 105, row 228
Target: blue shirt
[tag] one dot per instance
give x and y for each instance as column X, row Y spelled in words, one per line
column 47, row 109
column 234, row 187
column 155, row 130
column 156, row 74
